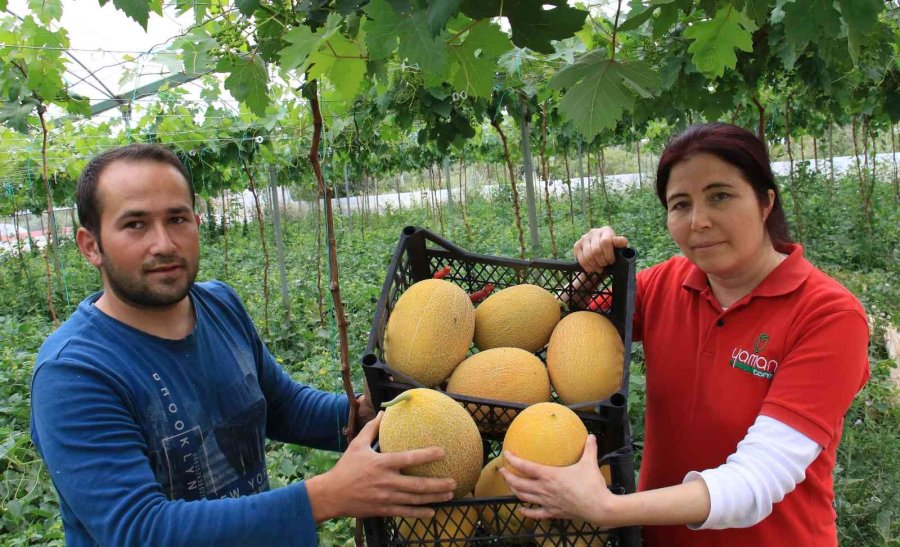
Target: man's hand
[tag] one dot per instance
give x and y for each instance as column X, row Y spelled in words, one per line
column 366, row 411
column 365, row 483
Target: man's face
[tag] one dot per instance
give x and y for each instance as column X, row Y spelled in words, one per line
column 151, row 244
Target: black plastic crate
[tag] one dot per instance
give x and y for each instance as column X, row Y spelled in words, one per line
column 494, row 521
column 420, row 254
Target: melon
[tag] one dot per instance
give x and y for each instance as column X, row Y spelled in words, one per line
column 451, row 526
column 429, row 331
column 521, row 316
column 419, row 418
column 585, row 358
column 504, row 521
column 548, row 434
column 503, row 374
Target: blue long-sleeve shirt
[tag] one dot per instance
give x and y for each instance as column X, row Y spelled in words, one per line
column 151, row 441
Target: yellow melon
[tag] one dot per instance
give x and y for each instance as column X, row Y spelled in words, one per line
column 451, row 526
column 503, row 374
column 429, row 331
column 548, row 434
column 419, row 418
column 505, row 521
column 585, row 358
column 521, row 316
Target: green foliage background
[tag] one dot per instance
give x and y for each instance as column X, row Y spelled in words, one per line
column 863, row 257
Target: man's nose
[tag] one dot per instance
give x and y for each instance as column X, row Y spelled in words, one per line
column 163, row 242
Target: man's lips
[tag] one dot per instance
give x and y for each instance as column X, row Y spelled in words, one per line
column 165, row 269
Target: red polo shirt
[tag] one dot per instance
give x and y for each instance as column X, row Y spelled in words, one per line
column 794, row 349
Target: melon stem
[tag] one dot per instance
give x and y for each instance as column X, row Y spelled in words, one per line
column 399, row 398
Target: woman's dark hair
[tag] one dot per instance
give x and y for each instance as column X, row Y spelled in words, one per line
column 738, row 147
column 86, row 191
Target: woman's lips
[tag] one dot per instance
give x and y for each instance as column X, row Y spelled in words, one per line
column 704, row 246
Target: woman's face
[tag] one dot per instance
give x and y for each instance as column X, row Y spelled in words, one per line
column 714, row 216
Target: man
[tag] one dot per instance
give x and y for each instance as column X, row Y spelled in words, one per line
column 151, row 404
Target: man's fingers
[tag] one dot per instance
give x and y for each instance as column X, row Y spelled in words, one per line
column 409, row 458
column 407, row 511
column 368, row 433
column 424, row 486
column 406, row 498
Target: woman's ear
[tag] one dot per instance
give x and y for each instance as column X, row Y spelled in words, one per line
column 768, row 208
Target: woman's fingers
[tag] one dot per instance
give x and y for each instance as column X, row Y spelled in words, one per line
column 537, row 513
column 524, row 468
column 596, row 249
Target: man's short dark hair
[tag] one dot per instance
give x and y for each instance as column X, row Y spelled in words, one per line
column 86, row 192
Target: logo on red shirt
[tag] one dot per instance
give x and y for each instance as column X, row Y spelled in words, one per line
column 752, row 362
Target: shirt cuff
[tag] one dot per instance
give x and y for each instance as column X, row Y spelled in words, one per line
column 308, row 534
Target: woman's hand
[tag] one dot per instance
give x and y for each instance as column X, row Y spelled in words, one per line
column 578, row 491
column 596, row 249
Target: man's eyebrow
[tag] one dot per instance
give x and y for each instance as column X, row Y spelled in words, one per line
column 140, row 213
column 132, row 213
column 710, row 186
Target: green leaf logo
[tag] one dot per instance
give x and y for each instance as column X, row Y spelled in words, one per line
column 759, row 345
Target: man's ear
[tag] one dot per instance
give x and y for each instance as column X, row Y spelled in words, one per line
column 89, row 246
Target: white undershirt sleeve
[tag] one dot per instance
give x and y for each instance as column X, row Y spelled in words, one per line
column 769, row 463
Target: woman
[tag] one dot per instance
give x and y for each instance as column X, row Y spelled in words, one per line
column 753, row 357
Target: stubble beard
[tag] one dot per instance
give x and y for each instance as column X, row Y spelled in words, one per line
column 135, row 290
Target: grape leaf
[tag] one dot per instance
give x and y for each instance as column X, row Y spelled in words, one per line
column 381, row 29
column 637, row 17
column 196, row 47
column 605, row 89
column 15, row 115
column 477, row 59
column 438, row 13
column 247, row 81
column 45, row 79
column 808, row 21
column 715, row 40
column 247, row 7
column 78, row 105
column 302, row 43
column 534, row 23
column 139, row 10
column 758, row 10
column 270, row 37
column 420, row 47
column 341, row 61
column 861, row 17
column 46, row 10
